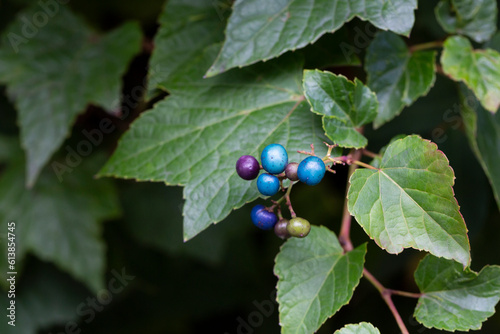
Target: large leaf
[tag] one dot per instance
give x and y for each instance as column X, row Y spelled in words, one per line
column 478, row 69
column 361, row 328
column 195, row 137
column 474, row 18
column 409, row 202
column 44, row 298
column 60, row 221
column 54, row 72
column 315, row 279
column 344, row 105
column 396, row 75
column 186, row 29
column 454, row 298
column 261, row 29
column 483, row 131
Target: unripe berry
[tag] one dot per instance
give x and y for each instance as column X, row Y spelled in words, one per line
column 291, row 171
column 280, row 229
column 298, row 227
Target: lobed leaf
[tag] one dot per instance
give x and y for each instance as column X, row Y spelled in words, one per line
column 476, row 19
column 261, row 30
column 454, row 298
column 195, row 137
column 396, row 75
column 315, row 279
column 53, row 75
column 478, row 69
column 361, row 328
column 60, row 221
column 483, row 132
column 409, row 202
column 344, row 105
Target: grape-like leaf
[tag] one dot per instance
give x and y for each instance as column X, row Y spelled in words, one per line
column 53, row 75
column 260, row 29
column 396, row 75
column 60, row 221
column 195, row 137
column 187, row 28
column 344, row 105
column 361, row 328
column 483, row 131
column 409, row 202
column 315, row 279
column 478, row 69
column 474, row 18
column 454, row 298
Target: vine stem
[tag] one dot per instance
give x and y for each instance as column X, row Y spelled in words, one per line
column 386, row 296
column 426, row 46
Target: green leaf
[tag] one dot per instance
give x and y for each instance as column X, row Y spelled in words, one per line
column 195, row 137
column 54, row 75
column 476, row 19
column 454, row 298
column 344, row 105
column 478, row 69
column 361, row 328
column 315, row 279
column 483, row 132
column 44, row 298
column 396, row 75
column 261, row 30
column 187, row 28
column 60, row 221
column 409, row 202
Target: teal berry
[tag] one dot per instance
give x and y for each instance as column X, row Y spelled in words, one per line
column 268, row 184
column 262, row 218
column 298, row 227
column 274, row 158
column 311, row 170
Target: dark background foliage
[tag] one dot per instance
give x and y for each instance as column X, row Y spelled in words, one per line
column 224, row 276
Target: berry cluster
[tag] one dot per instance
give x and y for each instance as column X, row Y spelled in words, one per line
column 274, row 159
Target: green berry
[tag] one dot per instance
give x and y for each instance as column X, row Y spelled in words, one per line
column 298, row 227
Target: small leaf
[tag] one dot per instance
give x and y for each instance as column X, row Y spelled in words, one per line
column 409, row 202
column 476, row 19
column 361, row 328
column 344, row 105
column 195, row 136
column 54, row 75
column 483, row 132
column 478, row 69
column 60, row 221
column 261, row 30
column 315, row 279
column 454, row 298
column 396, row 75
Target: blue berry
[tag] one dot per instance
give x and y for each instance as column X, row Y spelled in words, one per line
column 247, row 167
column 274, row 158
column 311, row 170
column 262, row 218
column 268, row 184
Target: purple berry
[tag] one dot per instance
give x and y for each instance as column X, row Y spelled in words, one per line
column 280, row 229
column 291, row 171
column 247, row 167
